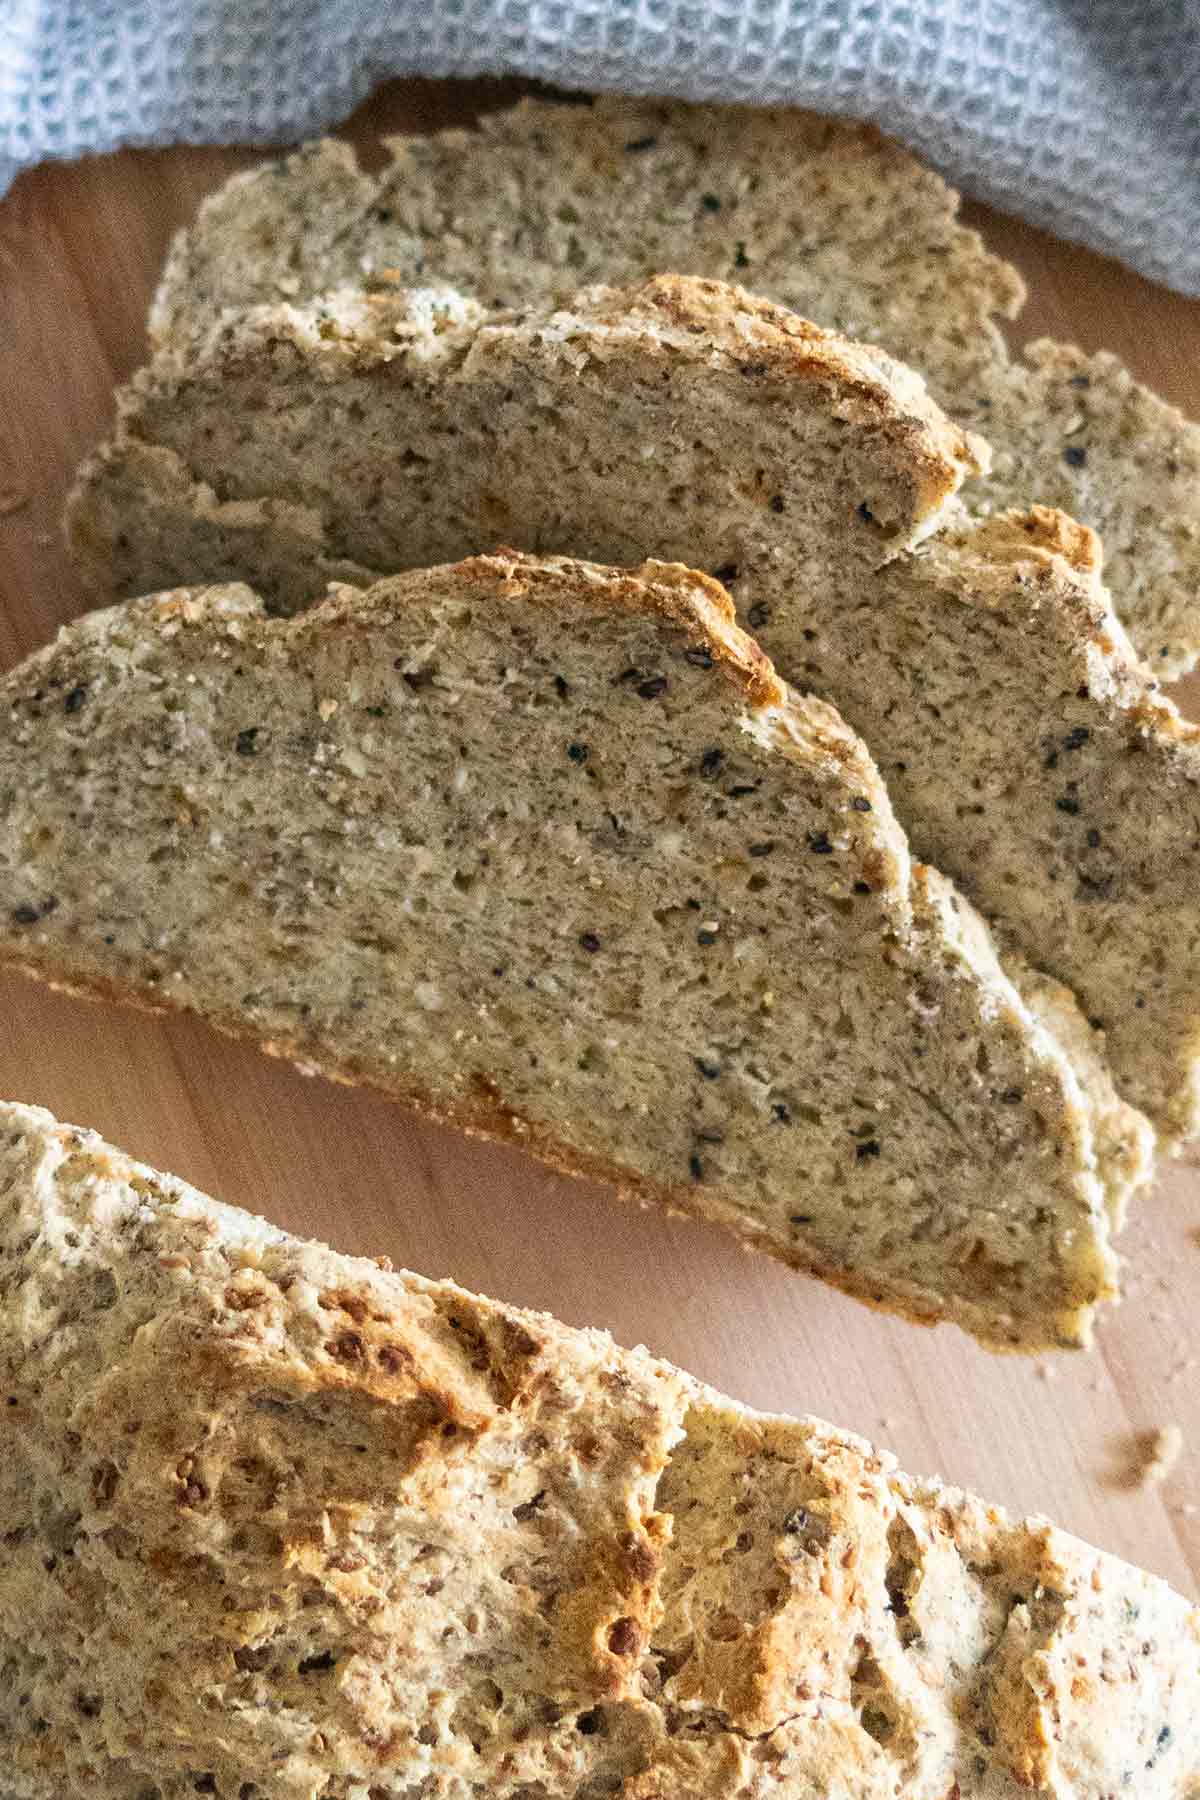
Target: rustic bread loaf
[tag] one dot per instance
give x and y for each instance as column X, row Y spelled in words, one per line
column 280, row 1524
column 1026, row 752
column 826, row 217
column 551, row 852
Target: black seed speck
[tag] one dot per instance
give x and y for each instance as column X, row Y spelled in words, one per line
column 706, row 938
column 1051, row 761
column 1012, row 1096
column 819, row 844
column 709, row 1070
column 589, row 941
column 696, row 1168
column 776, row 503
column 1067, row 803
column 780, row 1113
column 711, row 761
column 247, row 741
column 312, row 1665
column 872, row 1147
column 1075, row 456
column 1076, row 738
column 653, row 687
column 74, row 700
column 726, row 573
column 636, row 145
column 1093, row 839
column 759, row 614
column 698, row 657
column 741, row 260
column 1081, row 381
column 590, row 1722
column 710, row 203
column 25, row 915
column 865, row 513
column 737, row 793
column 694, row 904
column 762, row 849
column 578, row 753
column 561, row 687
column 860, row 803
column 862, row 887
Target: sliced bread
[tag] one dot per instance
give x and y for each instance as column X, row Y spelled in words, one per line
column 1026, row 751
column 550, row 852
column 826, row 217
column 279, row 1523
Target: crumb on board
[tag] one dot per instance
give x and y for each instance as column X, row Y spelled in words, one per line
column 1165, row 1447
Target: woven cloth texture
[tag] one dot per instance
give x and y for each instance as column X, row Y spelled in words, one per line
column 1082, row 115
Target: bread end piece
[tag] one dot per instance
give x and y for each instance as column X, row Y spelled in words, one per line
column 281, row 1517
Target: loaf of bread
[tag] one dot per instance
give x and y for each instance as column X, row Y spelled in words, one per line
column 549, row 851
column 1026, row 751
column 824, row 216
column 279, row 1524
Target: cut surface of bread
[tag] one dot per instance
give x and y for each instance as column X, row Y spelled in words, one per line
column 549, row 851
column 1028, row 754
column 826, row 217
column 285, row 1523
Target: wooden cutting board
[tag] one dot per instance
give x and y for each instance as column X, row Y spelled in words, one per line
column 80, row 248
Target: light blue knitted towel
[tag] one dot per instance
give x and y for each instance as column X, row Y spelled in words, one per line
column 1084, row 115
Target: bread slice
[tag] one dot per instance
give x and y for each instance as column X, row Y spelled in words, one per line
column 284, row 1523
column 550, row 852
column 1028, row 755
column 824, row 216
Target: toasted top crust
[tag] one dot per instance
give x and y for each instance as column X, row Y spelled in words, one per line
column 279, row 1518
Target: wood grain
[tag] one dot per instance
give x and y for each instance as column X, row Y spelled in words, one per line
column 80, row 247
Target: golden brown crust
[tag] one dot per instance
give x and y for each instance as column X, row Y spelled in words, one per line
column 683, row 597
column 787, row 347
